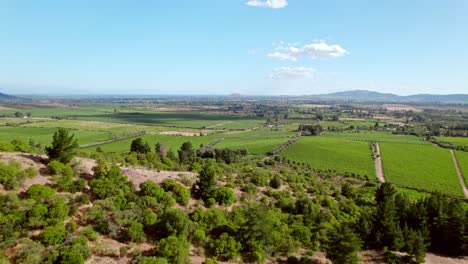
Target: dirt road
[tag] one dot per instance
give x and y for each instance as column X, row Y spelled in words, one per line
column 460, row 175
column 378, row 162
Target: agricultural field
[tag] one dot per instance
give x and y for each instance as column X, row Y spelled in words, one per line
column 333, row 153
column 379, row 136
column 462, row 158
column 456, row 141
column 257, row 142
column 107, row 113
column 420, row 166
column 171, row 142
column 44, row 135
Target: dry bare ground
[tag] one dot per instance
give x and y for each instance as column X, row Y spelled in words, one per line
column 434, row 259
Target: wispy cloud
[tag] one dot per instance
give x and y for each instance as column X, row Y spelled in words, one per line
column 317, row 50
column 292, row 73
column 275, row 4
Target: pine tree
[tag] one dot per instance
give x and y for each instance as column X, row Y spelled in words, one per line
column 64, row 147
column 205, row 187
column 186, row 153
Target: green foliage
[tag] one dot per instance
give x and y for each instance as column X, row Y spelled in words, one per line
column 174, row 249
column 343, row 245
column 10, row 175
column 114, row 184
column 29, row 252
column 53, row 235
column 64, row 147
column 102, row 167
column 40, row 193
column 139, row 146
column 152, row 189
column 182, row 194
column 225, row 196
column 173, row 222
column 186, row 153
column 206, row 185
column 224, row 247
column 135, row 232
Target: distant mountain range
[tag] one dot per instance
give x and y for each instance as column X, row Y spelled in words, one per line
column 352, row 95
column 6, row 97
column 365, row 95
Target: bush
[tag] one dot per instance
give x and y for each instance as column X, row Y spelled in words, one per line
column 225, row 247
column 182, row 194
column 53, row 235
column 9, row 175
column 152, row 189
column 176, row 250
column 40, row 192
column 225, row 196
column 135, row 232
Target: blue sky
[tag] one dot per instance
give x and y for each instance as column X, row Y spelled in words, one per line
column 258, row 47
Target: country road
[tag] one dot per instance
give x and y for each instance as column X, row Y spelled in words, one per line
column 460, row 175
column 378, row 162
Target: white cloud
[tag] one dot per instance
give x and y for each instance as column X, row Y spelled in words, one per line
column 312, row 51
column 275, row 4
column 281, row 56
column 292, row 73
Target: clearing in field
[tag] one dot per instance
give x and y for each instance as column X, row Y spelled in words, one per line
column 420, row 166
column 333, row 153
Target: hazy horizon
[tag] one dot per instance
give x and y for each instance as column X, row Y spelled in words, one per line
column 251, row 47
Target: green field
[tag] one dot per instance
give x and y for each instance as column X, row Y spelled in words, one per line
column 457, row 141
column 171, row 142
column 420, row 166
column 462, row 158
column 44, row 135
column 256, row 142
column 333, row 153
column 376, row 136
column 105, row 113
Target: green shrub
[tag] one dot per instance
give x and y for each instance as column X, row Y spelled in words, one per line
column 53, row 235
column 225, row 196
